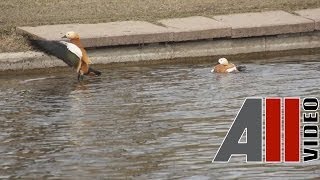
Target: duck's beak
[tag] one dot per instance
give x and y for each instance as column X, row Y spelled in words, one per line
column 64, row 36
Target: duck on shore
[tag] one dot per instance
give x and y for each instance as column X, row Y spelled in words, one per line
column 72, row 53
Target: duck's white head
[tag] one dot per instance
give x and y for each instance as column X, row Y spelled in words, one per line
column 223, row 61
column 71, row 35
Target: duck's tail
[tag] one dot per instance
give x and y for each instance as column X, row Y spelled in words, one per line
column 92, row 72
column 241, row 68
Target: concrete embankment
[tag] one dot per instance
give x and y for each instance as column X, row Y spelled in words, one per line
column 135, row 41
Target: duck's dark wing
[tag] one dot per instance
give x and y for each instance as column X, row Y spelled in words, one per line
column 60, row 50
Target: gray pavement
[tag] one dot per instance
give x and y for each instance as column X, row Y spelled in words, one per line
column 184, row 29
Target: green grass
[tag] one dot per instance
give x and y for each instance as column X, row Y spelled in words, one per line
column 15, row 13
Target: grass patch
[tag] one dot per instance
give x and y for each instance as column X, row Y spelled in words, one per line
column 39, row 12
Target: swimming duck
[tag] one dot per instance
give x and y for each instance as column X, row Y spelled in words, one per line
column 72, row 53
column 225, row 67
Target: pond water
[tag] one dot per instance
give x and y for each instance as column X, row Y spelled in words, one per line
column 161, row 121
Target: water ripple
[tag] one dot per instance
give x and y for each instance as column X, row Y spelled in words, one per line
column 141, row 122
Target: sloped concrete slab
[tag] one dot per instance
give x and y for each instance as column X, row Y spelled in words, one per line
column 293, row 41
column 265, row 23
column 196, row 28
column 218, row 47
column 172, row 51
column 313, row 14
column 28, row 60
column 104, row 34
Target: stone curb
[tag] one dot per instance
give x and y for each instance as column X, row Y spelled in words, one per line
column 169, row 52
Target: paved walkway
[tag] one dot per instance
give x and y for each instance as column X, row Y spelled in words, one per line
column 184, row 29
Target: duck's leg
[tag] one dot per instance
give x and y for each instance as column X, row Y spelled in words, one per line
column 80, row 75
column 79, row 71
column 79, row 66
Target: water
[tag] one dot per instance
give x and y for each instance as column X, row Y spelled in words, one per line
column 157, row 122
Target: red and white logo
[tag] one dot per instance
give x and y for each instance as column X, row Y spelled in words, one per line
column 285, row 134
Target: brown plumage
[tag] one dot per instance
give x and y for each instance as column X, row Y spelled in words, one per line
column 220, row 68
column 225, row 67
column 83, row 66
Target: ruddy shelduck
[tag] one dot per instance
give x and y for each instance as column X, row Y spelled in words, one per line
column 72, row 53
column 224, row 66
